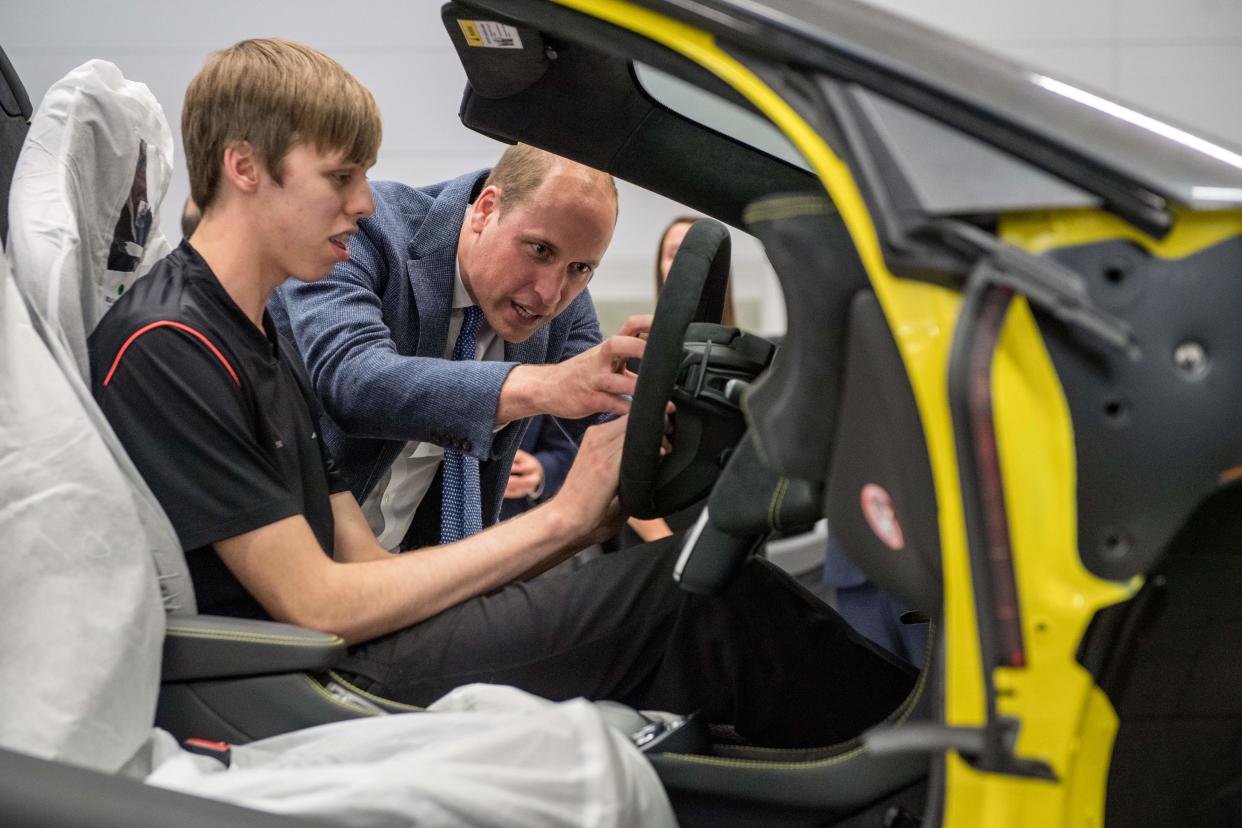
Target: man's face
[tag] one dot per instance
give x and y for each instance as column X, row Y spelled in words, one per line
column 525, row 265
column 309, row 218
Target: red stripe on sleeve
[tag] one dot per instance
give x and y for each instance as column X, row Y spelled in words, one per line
column 170, row 324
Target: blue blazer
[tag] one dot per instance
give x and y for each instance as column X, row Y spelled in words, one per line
column 373, row 336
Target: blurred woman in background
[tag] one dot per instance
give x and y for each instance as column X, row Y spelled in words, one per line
column 670, row 243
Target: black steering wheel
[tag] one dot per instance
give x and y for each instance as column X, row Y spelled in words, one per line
column 652, row 486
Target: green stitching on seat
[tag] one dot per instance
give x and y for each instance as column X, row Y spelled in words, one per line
column 787, row 207
column 256, row 638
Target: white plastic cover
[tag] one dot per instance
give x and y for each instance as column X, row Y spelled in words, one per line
column 483, row 755
column 93, row 169
column 84, row 225
column 80, row 619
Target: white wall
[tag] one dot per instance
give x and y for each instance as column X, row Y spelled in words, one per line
column 1182, row 58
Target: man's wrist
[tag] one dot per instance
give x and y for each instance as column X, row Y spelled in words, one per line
column 566, row 521
column 520, row 394
column 537, row 492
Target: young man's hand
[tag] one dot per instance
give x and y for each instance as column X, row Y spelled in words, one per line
column 588, row 499
column 525, row 477
column 593, row 382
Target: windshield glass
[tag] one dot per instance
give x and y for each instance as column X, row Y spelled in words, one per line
column 717, row 114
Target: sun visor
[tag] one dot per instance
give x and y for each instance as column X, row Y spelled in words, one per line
column 794, row 407
column 500, row 59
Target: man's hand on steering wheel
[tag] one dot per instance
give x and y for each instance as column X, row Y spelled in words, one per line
column 593, row 382
column 588, row 498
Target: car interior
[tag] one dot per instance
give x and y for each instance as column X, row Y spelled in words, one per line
column 1028, row 333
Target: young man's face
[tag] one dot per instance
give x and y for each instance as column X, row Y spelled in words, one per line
column 525, row 266
column 310, row 217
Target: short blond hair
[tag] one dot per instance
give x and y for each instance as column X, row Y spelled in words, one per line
column 275, row 94
column 522, row 168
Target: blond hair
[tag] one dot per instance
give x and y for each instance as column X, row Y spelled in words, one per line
column 275, row 94
column 522, row 168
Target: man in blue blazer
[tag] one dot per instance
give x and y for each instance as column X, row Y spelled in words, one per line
column 377, row 335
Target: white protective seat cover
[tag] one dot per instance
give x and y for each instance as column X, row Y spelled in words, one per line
column 482, row 755
column 80, row 618
column 84, row 225
column 93, row 169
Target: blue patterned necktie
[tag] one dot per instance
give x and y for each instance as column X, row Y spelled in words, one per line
column 461, row 510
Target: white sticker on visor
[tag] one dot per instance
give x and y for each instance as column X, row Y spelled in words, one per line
column 488, row 34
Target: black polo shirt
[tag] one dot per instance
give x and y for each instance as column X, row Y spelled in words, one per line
column 217, row 415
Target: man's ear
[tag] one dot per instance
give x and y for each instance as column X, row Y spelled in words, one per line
column 484, row 206
column 241, row 166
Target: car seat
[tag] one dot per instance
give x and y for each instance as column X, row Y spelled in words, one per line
column 79, row 656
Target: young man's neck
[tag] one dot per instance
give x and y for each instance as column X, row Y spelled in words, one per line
column 234, row 252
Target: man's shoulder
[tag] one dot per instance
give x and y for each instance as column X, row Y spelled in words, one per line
column 401, row 210
column 405, row 197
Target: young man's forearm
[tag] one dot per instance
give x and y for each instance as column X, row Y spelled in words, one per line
column 367, row 598
column 284, row 568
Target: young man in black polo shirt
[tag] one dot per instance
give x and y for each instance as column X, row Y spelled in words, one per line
column 215, row 409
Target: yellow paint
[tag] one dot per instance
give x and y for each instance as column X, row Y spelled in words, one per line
column 1075, row 801
column 1068, row 722
column 1058, row 596
column 1044, row 230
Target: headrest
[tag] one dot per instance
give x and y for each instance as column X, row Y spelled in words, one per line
column 793, row 408
column 84, row 205
column 836, row 411
column 84, row 226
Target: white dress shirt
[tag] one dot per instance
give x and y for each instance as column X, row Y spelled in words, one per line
column 390, row 507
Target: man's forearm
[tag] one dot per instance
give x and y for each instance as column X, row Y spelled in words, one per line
column 283, row 565
column 388, row 595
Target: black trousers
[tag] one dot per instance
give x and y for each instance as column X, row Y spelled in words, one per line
column 765, row 655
